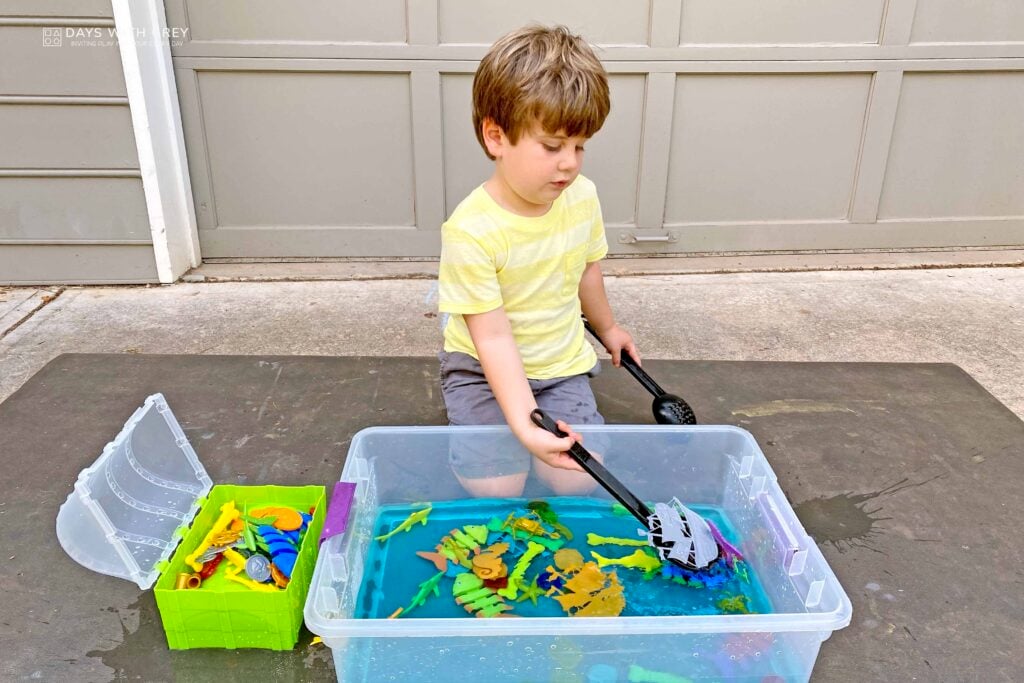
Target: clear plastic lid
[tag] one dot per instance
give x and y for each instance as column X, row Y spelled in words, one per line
column 123, row 515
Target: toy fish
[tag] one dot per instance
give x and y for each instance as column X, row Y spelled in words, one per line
column 638, row 560
column 470, row 592
column 409, row 522
column 595, row 539
column 457, row 547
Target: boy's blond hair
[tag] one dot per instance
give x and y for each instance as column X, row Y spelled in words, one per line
column 544, row 75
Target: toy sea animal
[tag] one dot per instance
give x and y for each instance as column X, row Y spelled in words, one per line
column 729, row 551
column 639, row 559
column 569, row 560
column 543, row 510
column 488, row 564
column 457, row 547
column 410, row 521
column 594, row 539
column 476, row 598
column 426, row 588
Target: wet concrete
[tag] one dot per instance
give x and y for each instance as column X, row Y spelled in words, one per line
column 906, row 474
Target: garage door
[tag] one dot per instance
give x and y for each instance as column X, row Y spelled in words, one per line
column 341, row 128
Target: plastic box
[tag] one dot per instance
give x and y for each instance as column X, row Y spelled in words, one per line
column 130, row 508
column 717, row 466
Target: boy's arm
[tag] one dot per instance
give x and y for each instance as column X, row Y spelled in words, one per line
column 594, row 302
column 503, row 368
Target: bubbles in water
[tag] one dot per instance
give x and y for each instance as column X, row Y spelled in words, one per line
column 551, row 646
column 510, row 644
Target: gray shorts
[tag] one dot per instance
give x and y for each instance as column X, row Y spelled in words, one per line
column 469, row 401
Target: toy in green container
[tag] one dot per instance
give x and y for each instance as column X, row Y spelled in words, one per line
column 227, row 614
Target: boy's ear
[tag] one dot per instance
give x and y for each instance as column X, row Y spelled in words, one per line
column 494, row 137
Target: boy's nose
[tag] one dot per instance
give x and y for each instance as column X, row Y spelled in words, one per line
column 568, row 161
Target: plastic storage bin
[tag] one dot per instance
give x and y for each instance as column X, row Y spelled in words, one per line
column 130, row 508
column 715, row 466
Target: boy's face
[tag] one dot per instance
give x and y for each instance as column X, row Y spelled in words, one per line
column 539, row 167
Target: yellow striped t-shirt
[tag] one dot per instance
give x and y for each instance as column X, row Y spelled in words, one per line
column 531, row 266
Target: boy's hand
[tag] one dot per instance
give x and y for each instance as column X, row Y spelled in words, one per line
column 551, row 449
column 616, row 339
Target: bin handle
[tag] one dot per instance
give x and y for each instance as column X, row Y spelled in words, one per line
column 794, row 553
column 336, row 519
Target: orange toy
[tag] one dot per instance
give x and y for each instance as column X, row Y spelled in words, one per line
column 287, row 519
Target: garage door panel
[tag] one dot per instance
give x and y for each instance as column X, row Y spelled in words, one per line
column 957, row 147
column 78, row 65
column 612, row 158
column 465, row 164
column 767, row 147
column 781, row 22
column 968, row 21
column 604, row 22
column 736, row 124
column 73, row 209
column 272, row 21
column 308, row 148
column 67, row 136
column 56, row 8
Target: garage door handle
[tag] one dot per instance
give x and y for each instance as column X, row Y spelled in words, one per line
column 633, row 238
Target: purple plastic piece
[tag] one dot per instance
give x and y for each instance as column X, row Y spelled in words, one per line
column 729, row 552
column 336, row 520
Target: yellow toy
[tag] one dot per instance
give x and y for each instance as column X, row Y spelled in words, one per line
column 595, row 539
column 238, row 560
column 515, row 578
column 637, row 560
column 228, row 514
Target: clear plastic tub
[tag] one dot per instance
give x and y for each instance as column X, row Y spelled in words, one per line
column 712, row 466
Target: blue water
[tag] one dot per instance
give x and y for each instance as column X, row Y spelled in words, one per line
column 394, row 571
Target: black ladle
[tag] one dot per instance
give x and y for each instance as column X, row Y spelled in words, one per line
column 668, row 409
column 608, row 482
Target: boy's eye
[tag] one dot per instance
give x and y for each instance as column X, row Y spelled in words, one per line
column 552, row 148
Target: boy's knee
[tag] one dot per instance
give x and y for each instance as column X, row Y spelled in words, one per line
column 508, row 486
column 565, row 482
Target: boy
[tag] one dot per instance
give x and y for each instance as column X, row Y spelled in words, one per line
column 519, row 263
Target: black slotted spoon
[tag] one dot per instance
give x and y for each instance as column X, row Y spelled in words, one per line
column 655, row 522
column 668, row 409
